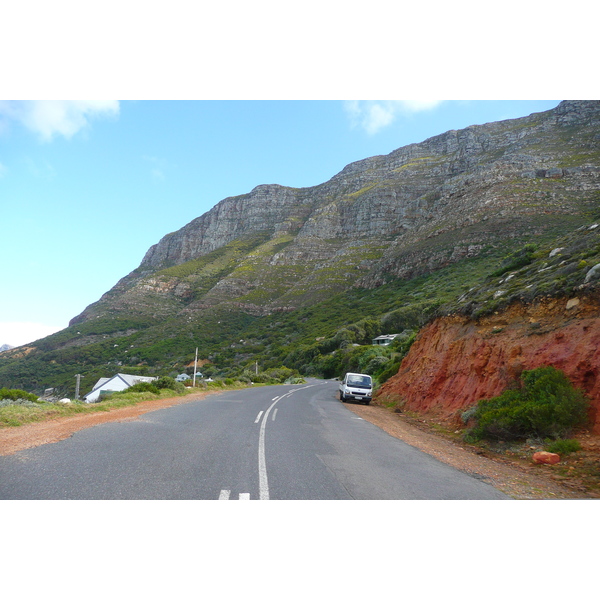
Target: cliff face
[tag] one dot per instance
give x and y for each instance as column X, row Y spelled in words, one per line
column 410, row 212
column 455, row 361
column 448, row 182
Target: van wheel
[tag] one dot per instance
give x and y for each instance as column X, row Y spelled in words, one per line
column 342, row 397
column 367, row 402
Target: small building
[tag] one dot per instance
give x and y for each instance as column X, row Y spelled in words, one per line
column 385, row 340
column 117, row 383
column 183, row 377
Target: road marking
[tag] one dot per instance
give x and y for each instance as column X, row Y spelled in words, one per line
column 224, row 495
column 274, row 413
column 263, row 481
column 259, row 416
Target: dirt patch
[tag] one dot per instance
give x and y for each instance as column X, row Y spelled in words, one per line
column 35, row 434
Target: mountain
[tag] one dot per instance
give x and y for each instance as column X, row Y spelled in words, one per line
column 288, row 275
column 5, row 347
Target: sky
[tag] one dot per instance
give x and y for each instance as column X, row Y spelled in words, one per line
column 87, row 187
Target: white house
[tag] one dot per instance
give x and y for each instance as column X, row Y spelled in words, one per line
column 119, row 382
column 385, row 340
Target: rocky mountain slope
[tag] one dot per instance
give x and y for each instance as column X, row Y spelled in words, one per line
column 261, row 273
column 409, row 212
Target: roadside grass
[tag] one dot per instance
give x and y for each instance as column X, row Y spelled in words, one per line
column 17, row 415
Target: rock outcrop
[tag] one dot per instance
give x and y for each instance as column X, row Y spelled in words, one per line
column 413, row 211
column 456, row 361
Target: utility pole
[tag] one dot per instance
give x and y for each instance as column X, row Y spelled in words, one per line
column 195, row 367
column 78, row 379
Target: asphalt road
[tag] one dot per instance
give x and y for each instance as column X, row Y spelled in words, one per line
column 272, row 443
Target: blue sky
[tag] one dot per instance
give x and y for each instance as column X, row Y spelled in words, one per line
column 87, row 187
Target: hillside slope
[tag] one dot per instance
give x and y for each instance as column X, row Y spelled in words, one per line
column 263, row 274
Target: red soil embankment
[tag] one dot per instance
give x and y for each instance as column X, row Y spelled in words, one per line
column 455, row 361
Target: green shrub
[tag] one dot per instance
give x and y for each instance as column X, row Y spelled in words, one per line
column 516, row 261
column 563, row 447
column 295, row 380
column 391, row 368
column 165, row 383
column 13, row 394
column 271, row 376
column 143, row 386
column 404, row 341
column 546, row 405
column 217, row 383
column 377, row 363
column 280, row 374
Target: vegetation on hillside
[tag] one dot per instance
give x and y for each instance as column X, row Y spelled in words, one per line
column 545, row 405
column 324, row 339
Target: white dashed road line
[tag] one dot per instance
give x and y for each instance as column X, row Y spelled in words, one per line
column 262, row 465
column 225, row 494
column 263, row 480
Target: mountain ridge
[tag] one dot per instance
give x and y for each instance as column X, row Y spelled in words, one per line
column 452, row 182
column 390, row 238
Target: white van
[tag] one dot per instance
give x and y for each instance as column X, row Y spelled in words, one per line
column 356, row 386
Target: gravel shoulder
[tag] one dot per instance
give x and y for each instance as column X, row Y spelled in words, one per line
column 514, row 478
column 518, row 480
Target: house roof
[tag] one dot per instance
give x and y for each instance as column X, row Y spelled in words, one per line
column 128, row 379
column 100, row 382
column 133, row 379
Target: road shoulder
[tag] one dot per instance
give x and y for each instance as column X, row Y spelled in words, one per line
column 14, row 439
column 518, row 481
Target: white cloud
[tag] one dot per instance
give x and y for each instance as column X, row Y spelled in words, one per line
column 19, row 333
column 374, row 115
column 2, row 170
column 48, row 118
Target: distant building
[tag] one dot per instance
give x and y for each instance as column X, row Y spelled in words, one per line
column 118, row 383
column 384, row 340
column 182, row 377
